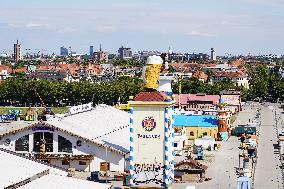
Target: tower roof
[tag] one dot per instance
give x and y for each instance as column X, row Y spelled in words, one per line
column 151, row 96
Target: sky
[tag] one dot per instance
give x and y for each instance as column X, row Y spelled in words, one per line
column 234, row 27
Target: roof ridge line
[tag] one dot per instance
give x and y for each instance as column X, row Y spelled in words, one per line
column 32, row 159
column 29, row 179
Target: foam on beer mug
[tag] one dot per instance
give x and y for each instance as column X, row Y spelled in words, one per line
column 154, row 60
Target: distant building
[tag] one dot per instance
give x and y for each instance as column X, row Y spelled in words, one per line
column 194, row 57
column 4, row 72
column 17, row 52
column 63, row 51
column 201, row 76
column 91, row 51
column 124, row 53
column 213, row 54
column 143, row 55
column 51, row 75
column 239, row 78
column 101, row 56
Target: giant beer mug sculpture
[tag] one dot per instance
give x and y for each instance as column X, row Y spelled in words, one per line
column 151, row 72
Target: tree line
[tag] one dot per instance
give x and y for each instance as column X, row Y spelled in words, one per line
column 264, row 84
column 19, row 91
column 23, row 92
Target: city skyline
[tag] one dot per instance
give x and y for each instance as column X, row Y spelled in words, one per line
column 246, row 26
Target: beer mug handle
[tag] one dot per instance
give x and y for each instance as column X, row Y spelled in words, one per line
column 144, row 71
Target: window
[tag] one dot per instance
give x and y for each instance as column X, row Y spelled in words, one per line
column 22, row 144
column 221, row 125
column 65, row 162
column 191, row 133
column 43, row 142
column 175, row 144
column 205, row 134
column 82, row 163
column 64, row 145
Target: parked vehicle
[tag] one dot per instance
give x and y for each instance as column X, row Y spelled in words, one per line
column 243, row 183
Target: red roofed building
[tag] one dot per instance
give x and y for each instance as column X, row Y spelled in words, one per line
column 197, row 102
column 237, row 63
column 94, row 69
column 239, row 78
column 4, row 72
column 201, row 76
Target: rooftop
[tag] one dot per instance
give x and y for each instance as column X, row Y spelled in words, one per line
column 16, row 169
column 238, row 74
column 195, row 121
column 151, row 96
column 230, row 92
column 104, row 124
column 8, row 127
column 185, row 98
column 54, row 181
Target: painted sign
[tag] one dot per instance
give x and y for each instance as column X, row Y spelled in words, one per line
column 149, row 135
column 42, row 128
column 149, row 124
column 231, row 99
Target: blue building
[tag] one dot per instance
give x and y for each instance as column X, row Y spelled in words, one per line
column 197, row 125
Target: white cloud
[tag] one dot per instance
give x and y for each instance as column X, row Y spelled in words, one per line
column 202, row 34
column 105, row 29
column 36, row 25
column 67, row 30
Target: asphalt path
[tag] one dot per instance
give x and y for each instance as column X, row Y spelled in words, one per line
column 268, row 174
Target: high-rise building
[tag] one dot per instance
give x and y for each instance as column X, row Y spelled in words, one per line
column 63, row 51
column 17, row 52
column 101, row 56
column 91, row 51
column 213, row 54
column 124, row 53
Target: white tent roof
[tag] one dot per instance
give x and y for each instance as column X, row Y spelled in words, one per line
column 104, row 124
column 13, row 125
column 61, row 182
column 14, row 169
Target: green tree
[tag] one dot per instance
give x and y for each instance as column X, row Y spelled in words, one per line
column 259, row 82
